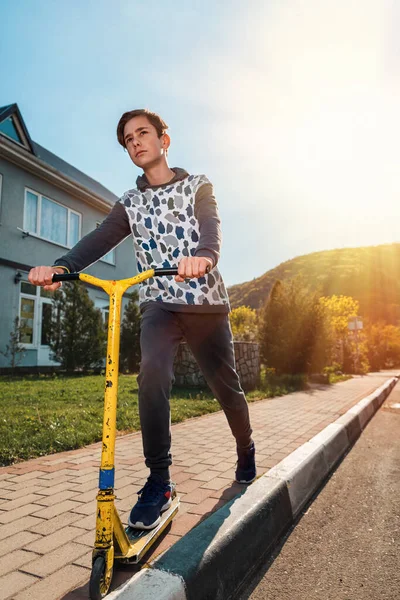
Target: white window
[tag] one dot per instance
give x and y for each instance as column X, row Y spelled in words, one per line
column 50, row 220
column 110, row 256
column 104, row 307
column 35, row 309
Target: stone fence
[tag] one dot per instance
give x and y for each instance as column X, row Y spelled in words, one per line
column 247, row 356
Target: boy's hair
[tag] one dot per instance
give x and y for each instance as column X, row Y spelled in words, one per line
column 153, row 118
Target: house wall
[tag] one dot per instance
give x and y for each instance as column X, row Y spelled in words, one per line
column 34, row 251
column 31, row 251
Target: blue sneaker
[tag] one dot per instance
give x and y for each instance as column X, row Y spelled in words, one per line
column 154, row 498
column 246, row 465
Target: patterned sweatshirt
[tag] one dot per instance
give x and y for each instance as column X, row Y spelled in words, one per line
column 169, row 221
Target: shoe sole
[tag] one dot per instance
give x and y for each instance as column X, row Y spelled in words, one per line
column 140, row 525
column 246, row 480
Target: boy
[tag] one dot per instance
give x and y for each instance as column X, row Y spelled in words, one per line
column 173, row 218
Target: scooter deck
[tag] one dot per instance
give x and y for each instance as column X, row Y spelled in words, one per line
column 142, row 539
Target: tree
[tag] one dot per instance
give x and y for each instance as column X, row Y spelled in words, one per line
column 14, row 350
column 340, row 309
column 350, row 349
column 383, row 343
column 77, row 338
column 244, row 323
column 293, row 334
column 271, row 331
column 129, row 358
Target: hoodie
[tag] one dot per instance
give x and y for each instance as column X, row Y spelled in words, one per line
column 169, row 221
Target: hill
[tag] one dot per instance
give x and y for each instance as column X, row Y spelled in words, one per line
column 369, row 274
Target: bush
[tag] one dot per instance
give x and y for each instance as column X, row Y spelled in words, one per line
column 77, row 337
column 244, row 324
column 129, row 358
column 294, row 334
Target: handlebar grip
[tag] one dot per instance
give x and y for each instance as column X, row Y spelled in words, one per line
column 172, row 271
column 168, row 271
column 65, row 277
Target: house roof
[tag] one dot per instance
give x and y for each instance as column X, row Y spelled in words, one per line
column 54, row 161
column 12, row 110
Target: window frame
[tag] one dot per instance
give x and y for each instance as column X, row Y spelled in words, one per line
column 39, row 215
column 23, row 295
column 103, row 305
column 17, row 128
column 1, row 192
column 107, row 262
column 38, row 301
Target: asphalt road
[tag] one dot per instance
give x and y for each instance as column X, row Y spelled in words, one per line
column 346, row 544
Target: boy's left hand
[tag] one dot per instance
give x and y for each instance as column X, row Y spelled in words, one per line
column 193, row 266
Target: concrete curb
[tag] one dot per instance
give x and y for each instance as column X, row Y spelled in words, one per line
column 213, row 559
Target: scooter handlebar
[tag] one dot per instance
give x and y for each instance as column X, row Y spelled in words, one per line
column 75, row 276
column 157, row 273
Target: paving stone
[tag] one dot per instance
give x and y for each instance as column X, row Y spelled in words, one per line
column 56, row 509
column 205, row 476
column 88, row 522
column 63, row 473
column 184, row 524
column 14, row 560
column 17, row 541
column 54, row 540
column 55, row 560
column 52, row 490
column 14, row 582
column 198, row 495
column 13, row 504
column 56, row 498
column 45, row 527
column 166, row 542
column 80, row 488
column 85, row 560
column 17, row 526
column 188, row 486
column 207, row 506
column 14, row 515
column 26, row 476
column 182, row 476
column 195, row 469
column 216, row 484
column 87, row 496
column 55, row 585
column 87, row 538
column 85, row 509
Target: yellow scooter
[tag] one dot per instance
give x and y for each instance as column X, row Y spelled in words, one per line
column 113, row 540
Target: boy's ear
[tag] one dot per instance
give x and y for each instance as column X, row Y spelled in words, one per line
column 166, row 141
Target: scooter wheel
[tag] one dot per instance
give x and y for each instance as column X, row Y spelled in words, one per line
column 100, row 581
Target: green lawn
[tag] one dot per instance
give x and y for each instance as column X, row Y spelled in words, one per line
column 45, row 414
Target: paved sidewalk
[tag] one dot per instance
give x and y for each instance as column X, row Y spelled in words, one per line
column 47, row 505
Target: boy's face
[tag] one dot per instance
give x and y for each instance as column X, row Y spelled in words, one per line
column 144, row 146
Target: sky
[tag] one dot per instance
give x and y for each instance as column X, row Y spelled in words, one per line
column 290, row 107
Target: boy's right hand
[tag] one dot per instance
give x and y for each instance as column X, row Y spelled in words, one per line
column 43, row 276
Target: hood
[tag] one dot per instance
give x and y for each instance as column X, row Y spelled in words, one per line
column 143, row 184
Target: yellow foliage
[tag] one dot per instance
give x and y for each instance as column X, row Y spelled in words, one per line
column 338, row 310
column 244, row 323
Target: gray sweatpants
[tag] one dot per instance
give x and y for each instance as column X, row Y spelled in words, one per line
column 209, row 337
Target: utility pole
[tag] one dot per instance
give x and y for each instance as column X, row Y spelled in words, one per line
column 355, row 324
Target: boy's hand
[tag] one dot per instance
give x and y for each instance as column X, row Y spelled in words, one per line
column 193, row 266
column 43, row 276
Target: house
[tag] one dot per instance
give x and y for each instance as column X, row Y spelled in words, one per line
column 46, row 206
